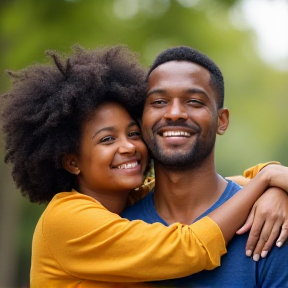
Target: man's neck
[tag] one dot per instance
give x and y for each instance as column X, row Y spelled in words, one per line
column 183, row 196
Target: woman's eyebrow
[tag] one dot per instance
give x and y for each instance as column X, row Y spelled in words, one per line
column 108, row 129
column 111, row 128
column 133, row 123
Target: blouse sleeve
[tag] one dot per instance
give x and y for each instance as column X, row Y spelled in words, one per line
column 250, row 173
column 253, row 171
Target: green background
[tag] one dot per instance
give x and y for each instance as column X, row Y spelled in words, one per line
column 256, row 93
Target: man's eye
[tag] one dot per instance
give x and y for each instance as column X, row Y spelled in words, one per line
column 196, row 102
column 159, row 102
column 107, row 139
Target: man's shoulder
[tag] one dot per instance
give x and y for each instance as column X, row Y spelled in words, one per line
column 238, row 271
column 272, row 270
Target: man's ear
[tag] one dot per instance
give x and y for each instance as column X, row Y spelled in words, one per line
column 69, row 163
column 223, row 120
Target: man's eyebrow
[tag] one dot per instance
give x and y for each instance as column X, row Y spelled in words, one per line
column 189, row 90
column 196, row 90
column 155, row 91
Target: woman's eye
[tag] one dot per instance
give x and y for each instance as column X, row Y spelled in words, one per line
column 135, row 134
column 107, row 139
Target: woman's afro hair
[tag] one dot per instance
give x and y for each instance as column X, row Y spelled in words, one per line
column 48, row 103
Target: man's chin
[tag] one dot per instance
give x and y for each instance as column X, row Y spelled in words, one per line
column 176, row 161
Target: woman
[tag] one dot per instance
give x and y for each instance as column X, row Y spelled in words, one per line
column 74, row 142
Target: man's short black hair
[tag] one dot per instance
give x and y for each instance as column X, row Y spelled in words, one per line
column 48, row 103
column 185, row 53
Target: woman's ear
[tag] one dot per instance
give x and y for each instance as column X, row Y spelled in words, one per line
column 223, row 120
column 69, row 163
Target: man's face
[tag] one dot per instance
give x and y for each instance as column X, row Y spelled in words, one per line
column 180, row 118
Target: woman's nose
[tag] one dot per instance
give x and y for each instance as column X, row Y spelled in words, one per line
column 127, row 148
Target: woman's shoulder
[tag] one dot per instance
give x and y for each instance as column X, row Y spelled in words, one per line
column 69, row 206
column 72, row 198
column 70, row 215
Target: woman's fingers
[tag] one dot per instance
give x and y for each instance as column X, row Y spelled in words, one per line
column 283, row 234
column 270, row 223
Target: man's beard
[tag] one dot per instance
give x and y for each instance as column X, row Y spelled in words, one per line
column 185, row 160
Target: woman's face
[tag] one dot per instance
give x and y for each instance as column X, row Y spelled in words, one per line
column 112, row 156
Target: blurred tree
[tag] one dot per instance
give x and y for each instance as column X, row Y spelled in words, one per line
column 256, row 94
column 9, row 224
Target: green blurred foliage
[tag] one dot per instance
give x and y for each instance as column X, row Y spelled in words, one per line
column 256, row 94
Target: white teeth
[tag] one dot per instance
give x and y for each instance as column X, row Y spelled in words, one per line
column 176, row 133
column 128, row 165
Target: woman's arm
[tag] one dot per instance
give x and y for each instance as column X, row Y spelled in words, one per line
column 239, row 179
column 250, row 173
column 89, row 242
column 93, row 243
column 149, row 183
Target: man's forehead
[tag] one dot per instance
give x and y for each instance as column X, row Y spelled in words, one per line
column 173, row 66
column 177, row 71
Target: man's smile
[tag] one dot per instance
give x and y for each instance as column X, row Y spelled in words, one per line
column 176, row 134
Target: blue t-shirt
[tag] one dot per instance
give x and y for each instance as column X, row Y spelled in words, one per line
column 236, row 270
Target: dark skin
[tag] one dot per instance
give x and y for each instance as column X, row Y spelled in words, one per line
column 111, row 138
column 183, row 106
column 266, row 207
column 181, row 100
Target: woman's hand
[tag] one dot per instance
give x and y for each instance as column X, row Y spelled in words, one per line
column 268, row 218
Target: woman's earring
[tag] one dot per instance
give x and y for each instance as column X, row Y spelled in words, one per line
column 75, row 168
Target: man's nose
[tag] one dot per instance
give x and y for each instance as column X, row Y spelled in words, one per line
column 126, row 147
column 176, row 111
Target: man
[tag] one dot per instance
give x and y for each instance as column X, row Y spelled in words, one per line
column 183, row 113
